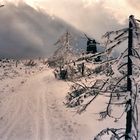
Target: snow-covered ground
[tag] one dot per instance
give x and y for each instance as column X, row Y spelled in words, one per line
column 32, row 108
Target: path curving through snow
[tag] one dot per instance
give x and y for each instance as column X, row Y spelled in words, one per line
column 35, row 111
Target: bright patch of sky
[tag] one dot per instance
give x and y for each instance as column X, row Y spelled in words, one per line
column 119, row 9
column 89, row 15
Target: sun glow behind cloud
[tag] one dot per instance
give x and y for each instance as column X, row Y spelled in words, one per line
column 84, row 14
column 120, row 9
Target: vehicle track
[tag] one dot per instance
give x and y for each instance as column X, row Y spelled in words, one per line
column 34, row 111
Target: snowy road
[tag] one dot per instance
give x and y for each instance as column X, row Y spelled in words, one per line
column 35, row 111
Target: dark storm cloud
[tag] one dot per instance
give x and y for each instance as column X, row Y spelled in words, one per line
column 26, row 32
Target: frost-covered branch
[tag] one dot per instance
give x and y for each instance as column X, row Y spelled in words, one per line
column 115, row 134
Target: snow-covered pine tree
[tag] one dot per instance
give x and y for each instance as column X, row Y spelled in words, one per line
column 65, row 53
column 121, row 86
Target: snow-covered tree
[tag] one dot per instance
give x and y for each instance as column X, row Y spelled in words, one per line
column 121, row 85
column 65, row 53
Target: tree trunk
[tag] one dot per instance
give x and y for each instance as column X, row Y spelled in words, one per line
column 129, row 83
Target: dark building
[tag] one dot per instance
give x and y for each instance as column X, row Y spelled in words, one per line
column 91, row 46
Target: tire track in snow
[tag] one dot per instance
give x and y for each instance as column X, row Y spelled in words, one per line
column 38, row 110
column 40, row 119
column 11, row 122
column 45, row 121
column 29, row 103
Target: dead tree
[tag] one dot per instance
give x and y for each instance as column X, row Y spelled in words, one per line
column 129, row 82
column 120, row 86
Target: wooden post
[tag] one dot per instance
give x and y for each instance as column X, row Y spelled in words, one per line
column 129, row 82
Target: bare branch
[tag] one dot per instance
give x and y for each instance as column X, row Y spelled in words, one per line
column 111, row 96
column 122, row 66
column 136, row 52
column 86, row 105
column 107, row 34
column 115, row 132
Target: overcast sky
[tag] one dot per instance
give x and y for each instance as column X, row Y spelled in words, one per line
column 83, row 13
column 76, row 11
column 20, row 25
